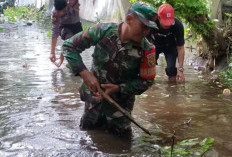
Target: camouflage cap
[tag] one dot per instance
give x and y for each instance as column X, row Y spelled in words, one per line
column 145, row 13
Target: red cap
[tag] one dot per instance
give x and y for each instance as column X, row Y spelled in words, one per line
column 166, row 14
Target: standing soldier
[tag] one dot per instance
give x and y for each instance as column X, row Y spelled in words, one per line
column 65, row 23
column 123, row 66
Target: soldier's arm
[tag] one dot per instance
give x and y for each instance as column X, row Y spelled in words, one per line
column 78, row 43
column 135, row 87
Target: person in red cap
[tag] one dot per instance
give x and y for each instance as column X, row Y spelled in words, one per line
column 169, row 39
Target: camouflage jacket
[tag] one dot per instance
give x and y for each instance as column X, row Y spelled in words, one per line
column 113, row 61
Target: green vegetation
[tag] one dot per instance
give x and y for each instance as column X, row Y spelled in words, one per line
column 186, row 148
column 97, row 19
column 32, row 13
column 19, row 13
column 226, row 76
column 190, row 147
column 29, row 13
column 119, row 16
column 49, row 34
column 192, row 12
column 196, row 15
column 1, row 30
column 86, row 24
column 141, row 96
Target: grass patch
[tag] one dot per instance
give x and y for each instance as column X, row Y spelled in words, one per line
column 86, row 24
column 186, row 148
column 22, row 12
column 189, row 148
column 226, row 76
column 49, row 34
column 1, row 30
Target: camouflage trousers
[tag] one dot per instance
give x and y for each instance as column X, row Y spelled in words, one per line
column 101, row 114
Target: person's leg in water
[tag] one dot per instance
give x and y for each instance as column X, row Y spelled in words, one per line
column 117, row 123
column 92, row 117
column 170, row 57
column 102, row 115
column 95, row 118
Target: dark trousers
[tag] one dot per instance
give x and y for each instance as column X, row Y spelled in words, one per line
column 170, row 57
column 69, row 30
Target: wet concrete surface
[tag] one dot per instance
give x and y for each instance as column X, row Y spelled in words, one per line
column 40, row 107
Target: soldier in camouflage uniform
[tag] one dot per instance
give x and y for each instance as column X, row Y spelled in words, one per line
column 119, row 51
column 65, row 23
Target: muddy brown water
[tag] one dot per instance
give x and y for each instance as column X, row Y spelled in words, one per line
column 40, row 107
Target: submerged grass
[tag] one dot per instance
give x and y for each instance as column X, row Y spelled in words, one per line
column 186, row 148
column 189, row 148
column 161, row 144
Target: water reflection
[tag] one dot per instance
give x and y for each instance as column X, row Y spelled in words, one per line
column 107, row 143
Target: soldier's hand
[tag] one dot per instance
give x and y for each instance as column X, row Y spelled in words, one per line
column 97, row 96
column 52, row 57
column 91, row 81
column 110, row 88
column 60, row 61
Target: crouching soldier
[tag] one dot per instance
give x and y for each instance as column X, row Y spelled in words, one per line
column 123, row 66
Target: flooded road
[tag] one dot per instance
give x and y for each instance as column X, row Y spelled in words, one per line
column 40, row 107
